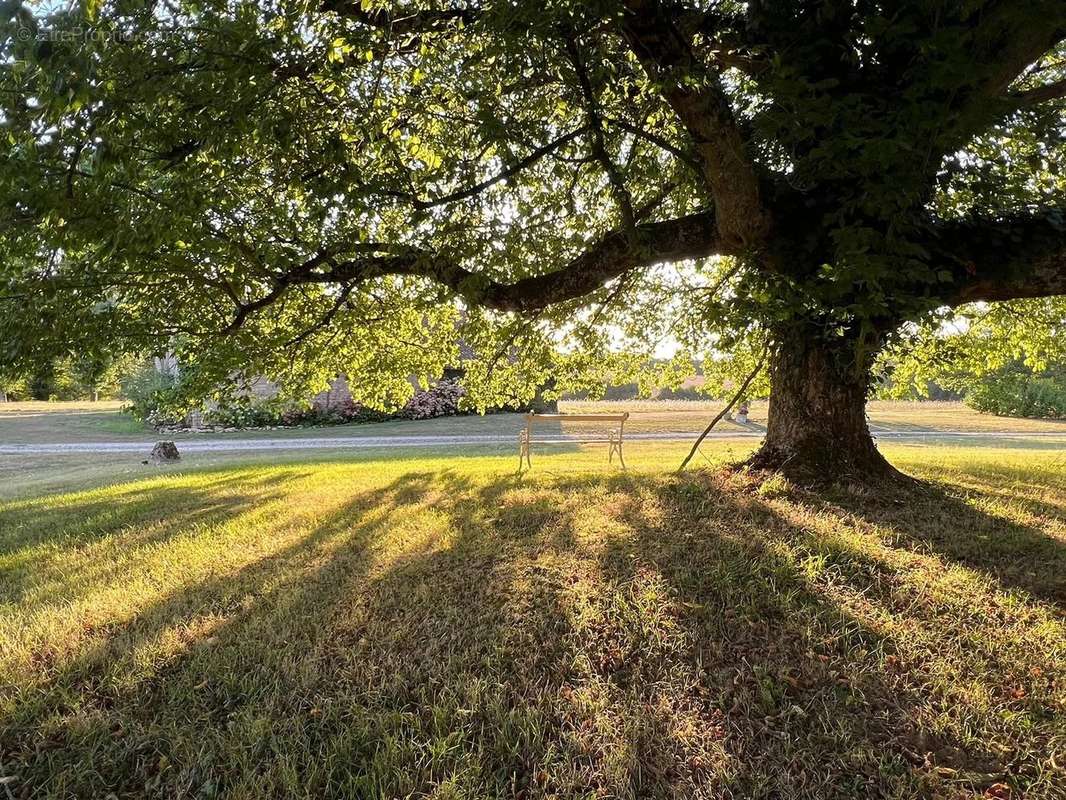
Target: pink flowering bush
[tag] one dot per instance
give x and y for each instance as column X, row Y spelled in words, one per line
column 440, row 400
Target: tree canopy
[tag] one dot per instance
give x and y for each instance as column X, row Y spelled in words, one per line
column 300, row 189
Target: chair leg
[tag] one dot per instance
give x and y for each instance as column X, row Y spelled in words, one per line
column 612, row 445
column 614, row 440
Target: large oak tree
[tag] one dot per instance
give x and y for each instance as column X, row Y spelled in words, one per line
column 294, row 187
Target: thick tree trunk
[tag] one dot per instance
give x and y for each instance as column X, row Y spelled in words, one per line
column 817, row 431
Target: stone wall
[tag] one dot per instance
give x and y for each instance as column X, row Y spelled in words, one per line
column 337, row 394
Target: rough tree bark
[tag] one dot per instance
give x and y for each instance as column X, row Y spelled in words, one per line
column 817, row 430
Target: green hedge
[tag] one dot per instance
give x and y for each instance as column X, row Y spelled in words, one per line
column 1019, row 395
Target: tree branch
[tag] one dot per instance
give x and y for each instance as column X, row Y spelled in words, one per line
column 618, row 252
column 1003, row 38
column 657, row 140
column 693, row 236
column 599, row 143
column 281, row 284
column 1013, row 41
column 721, row 414
column 401, row 24
column 1039, row 94
column 696, row 95
column 514, row 169
column 1005, row 259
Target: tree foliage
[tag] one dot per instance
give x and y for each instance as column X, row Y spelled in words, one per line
column 1007, row 358
column 300, row 189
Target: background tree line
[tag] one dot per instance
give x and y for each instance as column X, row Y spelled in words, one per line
column 72, row 377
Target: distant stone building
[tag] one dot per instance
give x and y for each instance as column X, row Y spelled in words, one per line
column 336, row 394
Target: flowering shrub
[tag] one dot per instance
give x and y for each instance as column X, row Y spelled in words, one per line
column 440, row 400
column 156, row 417
column 241, row 416
column 269, row 415
column 338, row 414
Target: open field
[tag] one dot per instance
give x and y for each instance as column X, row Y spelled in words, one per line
column 884, row 415
column 378, row 624
column 38, row 422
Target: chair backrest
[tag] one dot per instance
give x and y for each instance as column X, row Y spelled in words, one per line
column 525, row 435
column 532, row 417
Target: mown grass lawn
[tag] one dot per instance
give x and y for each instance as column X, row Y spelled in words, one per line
column 443, row 629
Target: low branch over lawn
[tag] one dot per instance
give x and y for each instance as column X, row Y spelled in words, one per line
column 693, row 236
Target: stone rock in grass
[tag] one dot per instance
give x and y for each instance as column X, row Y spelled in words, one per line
column 164, row 453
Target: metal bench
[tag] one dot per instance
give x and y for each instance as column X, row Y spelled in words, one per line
column 614, row 438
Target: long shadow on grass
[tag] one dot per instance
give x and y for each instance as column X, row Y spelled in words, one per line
column 950, row 521
column 612, row 636
column 38, row 536
column 212, row 645
column 781, row 633
column 278, row 637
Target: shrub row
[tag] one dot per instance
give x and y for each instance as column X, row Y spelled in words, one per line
column 1020, row 395
column 441, row 400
